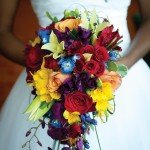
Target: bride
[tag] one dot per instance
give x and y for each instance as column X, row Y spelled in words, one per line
column 128, row 128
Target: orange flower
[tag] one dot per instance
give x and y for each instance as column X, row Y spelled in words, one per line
column 69, row 23
column 55, row 80
column 113, row 77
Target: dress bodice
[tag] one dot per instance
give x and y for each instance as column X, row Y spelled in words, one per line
column 115, row 10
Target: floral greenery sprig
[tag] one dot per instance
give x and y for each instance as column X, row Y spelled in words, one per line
column 72, row 68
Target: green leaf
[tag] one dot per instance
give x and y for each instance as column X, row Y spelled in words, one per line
column 101, row 26
column 112, row 66
column 54, row 46
column 55, row 19
column 43, row 105
column 72, row 13
column 77, row 12
column 93, row 19
column 84, row 19
column 88, row 91
column 37, row 109
column 99, row 83
column 66, row 13
column 122, row 69
column 53, row 38
column 40, row 112
column 34, row 105
column 74, row 34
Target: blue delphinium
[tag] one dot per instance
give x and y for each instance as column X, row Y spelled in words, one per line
column 113, row 55
column 67, row 64
column 55, row 123
column 86, row 118
column 44, row 35
column 86, row 144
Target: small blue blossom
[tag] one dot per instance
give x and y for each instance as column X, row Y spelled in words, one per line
column 44, row 35
column 113, row 55
column 94, row 122
column 86, row 144
column 75, row 58
column 87, row 115
column 67, row 64
column 84, row 127
column 83, row 118
column 56, row 124
column 87, row 119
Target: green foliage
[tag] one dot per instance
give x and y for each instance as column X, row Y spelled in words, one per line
column 53, row 19
column 37, row 109
column 54, row 46
column 72, row 13
column 122, row 69
column 112, row 66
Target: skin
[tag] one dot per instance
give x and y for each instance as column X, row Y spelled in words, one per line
column 14, row 50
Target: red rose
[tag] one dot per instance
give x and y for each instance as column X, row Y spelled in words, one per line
column 51, row 63
column 87, row 49
column 101, row 69
column 91, row 66
column 79, row 102
column 79, row 66
column 74, row 48
column 101, row 53
column 33, row 57
column 74, row 131
column 108, row 37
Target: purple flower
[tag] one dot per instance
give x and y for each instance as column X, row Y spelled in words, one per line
column 92, row 83
column 80, row 144
column 84, row 35
column 65, row 148
column 57, row 133
column 64, row 36
column 57, row 112
column 79, row 82
column 83, row 76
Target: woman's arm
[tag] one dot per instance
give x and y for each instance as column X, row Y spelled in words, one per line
column 141, row 43
column 10, row 46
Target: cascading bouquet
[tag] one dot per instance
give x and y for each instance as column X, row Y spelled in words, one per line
column 72, row 68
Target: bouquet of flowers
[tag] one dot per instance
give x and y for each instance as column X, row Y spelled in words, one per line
column 72, row 68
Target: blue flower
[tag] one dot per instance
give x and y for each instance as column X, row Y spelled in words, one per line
column 44, row 35
column 86, row 144
column 113, row 55
column 55, row 123
column 68, row 64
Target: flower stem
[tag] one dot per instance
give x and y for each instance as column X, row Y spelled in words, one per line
column 58, row 145
column 54, row 144
column 33, row 136
column 97, row 138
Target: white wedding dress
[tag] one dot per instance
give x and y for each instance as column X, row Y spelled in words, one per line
column 127, row 129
